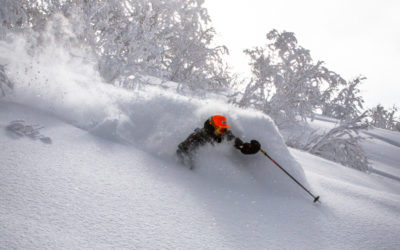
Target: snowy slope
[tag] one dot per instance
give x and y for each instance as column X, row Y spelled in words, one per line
column 83, row 191
column 359, row 211
column 386, row 160
column 110, row 178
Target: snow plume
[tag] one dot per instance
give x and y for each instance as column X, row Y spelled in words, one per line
column 51, row 72
column 157, row 120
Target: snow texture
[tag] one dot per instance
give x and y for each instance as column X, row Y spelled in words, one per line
column 110, row 178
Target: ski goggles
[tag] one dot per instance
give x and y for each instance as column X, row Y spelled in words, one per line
column 220, row 130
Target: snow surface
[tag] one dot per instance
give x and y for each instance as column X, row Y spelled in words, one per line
column 110, row 179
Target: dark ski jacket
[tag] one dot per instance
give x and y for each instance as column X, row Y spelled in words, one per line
column 207, row 135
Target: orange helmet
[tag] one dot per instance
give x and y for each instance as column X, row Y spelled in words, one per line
column 219, row 123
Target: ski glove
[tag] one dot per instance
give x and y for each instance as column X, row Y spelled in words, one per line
column 247, row 148
column 255, row 144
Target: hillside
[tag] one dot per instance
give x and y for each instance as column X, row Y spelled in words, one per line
column 86, row 191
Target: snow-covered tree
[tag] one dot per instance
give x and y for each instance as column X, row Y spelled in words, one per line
column 290, row 87
column 188, row 55
column 347, row 104
column 17, row 15
column 341, row 144
column 167, row 39
column 286, row 83
column 392, row 120
column 171, row 40
column 382, row 118
column 379, row 116
column 5, row 83
column 13, row 15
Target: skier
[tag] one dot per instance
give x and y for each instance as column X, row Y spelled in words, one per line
column 217, row 130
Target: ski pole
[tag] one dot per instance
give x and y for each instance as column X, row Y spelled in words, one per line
column 316, row 198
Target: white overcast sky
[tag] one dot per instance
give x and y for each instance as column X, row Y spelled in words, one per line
column 352, row 37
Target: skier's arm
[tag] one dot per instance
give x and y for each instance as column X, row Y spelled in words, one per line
column 246, row 148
